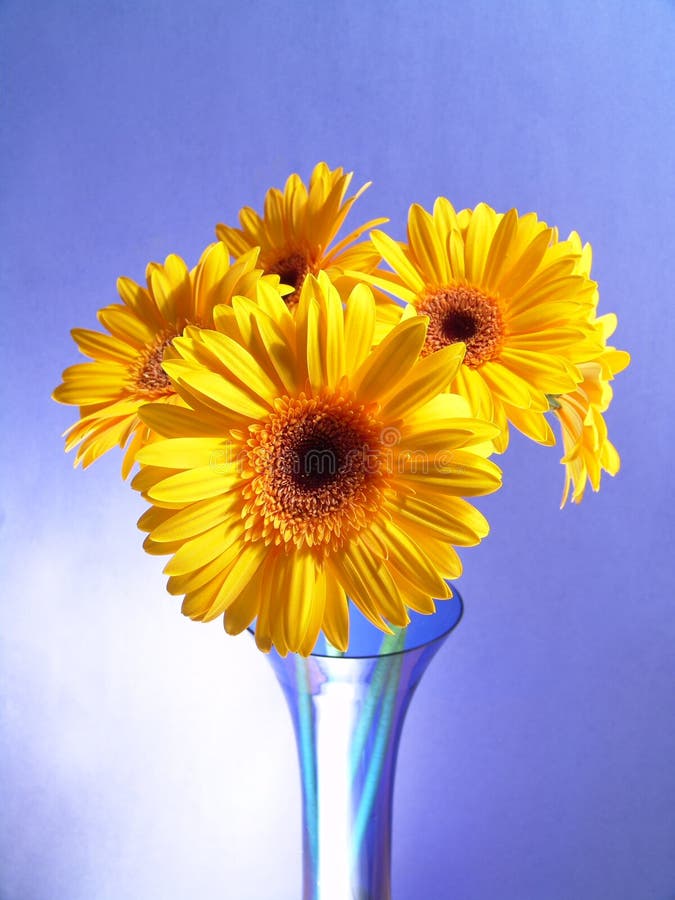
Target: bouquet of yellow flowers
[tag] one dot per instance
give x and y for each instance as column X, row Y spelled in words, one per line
column 310, row 413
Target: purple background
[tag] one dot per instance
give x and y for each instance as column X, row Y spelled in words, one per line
column 144, row 756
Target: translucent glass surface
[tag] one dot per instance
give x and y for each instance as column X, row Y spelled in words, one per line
column 348, row 712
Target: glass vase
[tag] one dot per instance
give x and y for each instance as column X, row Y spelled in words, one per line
column 348, row 711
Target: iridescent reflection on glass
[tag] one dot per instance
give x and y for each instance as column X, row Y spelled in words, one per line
column 348, row 712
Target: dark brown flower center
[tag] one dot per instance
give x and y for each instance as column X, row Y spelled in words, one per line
column 462, row 313
column 151, row 379
column 322, row 462
column 317, row 470
column 292, row 270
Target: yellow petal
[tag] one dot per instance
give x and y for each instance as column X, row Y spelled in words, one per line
column 279, row 352
column 244, row 609
column 376, row 579
column 387, row 281
column 81, row 391
column 471, row 384
column 531, row 423
column 199, row 589
column 478, row 239
column 507, row 384
column 443, row 556
column 455, row 248
column 189, row 452
column 390, row 361
column 341, row 567
column 500, row 250
column 215, row 390
column 193, row 485
column 544, row 371
column 332, row 332
column 173, row 421
column 431, row 445
column 315, row 356
column 460, row 473
column 408, row 557
column 359, row 326
column 451, row 523
column 336, row 614
column 427, row 247
column 124, row 324
column 171, row 288
column 393, row 253
column 240, row 364
column 299, row 597
column 268, row 592
column 104, row 346
column 196, row 518
column 511, row 278
column 428, row 377
column 202, row 549
column 141, row 303
column 445, row 216
column 412, row 594
column 239, row 575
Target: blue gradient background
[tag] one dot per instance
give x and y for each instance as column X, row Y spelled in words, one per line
column 144, row 756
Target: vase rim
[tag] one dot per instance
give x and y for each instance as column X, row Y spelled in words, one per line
column 450, row 614
column 423, row 631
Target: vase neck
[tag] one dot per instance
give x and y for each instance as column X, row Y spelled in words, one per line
column 348, row 714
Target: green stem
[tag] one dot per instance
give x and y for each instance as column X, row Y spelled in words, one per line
column 383, row 692
column 308, row 765
column 390, row 644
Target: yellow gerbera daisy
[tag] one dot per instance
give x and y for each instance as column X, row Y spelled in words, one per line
column 296, row 231
column 310, row 468
column 505, row 286
column 588, row 450
column 126, row 370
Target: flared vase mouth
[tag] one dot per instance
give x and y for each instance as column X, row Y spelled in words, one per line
column 368, row 642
